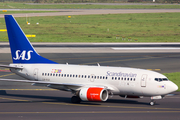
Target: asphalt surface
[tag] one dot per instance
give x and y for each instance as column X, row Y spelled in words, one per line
column 92, row 11
column 20, row 101
column 94, row 45
column 100, row 47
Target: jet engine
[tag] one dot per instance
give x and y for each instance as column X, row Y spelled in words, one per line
column 93, row 94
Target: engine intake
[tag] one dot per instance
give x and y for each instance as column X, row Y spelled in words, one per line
column 93, row 94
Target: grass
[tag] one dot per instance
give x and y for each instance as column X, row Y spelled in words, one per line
column 144, row 27
column 12, row 12
column 174, row 77
column 12, row 5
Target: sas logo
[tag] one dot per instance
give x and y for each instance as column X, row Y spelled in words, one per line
column 22, row 55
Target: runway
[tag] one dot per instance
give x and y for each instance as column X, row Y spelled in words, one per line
column 100, row 47
column 38, row 104
column 23, row 101
column 92, row 12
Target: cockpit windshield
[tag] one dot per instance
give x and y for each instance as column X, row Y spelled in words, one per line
column 161, row 79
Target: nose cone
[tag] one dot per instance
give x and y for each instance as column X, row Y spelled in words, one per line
column 175, row 87
column 172, row 87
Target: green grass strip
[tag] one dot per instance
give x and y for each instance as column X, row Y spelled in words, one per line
column 12, row 5
column 144, row 27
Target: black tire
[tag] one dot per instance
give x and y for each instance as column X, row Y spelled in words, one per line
column 75, row 99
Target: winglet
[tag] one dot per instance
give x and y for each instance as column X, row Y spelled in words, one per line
column 21, row 49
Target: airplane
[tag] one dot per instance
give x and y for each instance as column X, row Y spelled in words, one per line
column 87, row 83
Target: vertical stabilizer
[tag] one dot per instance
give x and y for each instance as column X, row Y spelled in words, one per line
column 21, row 49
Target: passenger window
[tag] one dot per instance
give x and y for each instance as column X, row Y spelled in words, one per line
column 76, row 75
column 100, row 77
column 82, row 76
column 115, row 78
column 134, row 79
column 88, row 76
column 45, row 74
column 67, row 75
column 64, row 75
column 124, row 78
column 160, row 79
column 73, row 75
column 94, row 77
column 70, row 75
column 131, row 79
column 103, row 77
column 119, row 78
column 97, row 77
column 112, row 78
column 85, row 76
column 53, row 74
column 59, row 75
column 127, row 78
column 106, row 77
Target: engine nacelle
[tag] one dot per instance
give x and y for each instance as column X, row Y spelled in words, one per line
column 93, row 94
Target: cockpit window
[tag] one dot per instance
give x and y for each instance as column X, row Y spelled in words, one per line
column 156, row 79
column 165, row 79
column 161, row 79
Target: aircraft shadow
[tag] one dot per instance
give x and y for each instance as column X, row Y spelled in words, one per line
column 42, row 98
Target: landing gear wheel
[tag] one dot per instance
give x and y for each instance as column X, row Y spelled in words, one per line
column 151, row 103
column 75, row 99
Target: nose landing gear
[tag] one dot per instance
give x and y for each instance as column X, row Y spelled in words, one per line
column 152, row 102
column 153, row 98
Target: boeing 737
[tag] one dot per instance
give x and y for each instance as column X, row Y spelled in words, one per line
column 87, row 83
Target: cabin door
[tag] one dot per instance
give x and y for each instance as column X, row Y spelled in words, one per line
column 35, row 73
column 143, row 80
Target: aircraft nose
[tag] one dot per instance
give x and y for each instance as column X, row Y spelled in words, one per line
column 175, row 87
column 172, row 87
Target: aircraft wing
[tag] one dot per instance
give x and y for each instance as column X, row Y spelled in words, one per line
column 42, row 82
column 55, row 85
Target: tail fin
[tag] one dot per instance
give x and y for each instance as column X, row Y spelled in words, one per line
column 21, row 49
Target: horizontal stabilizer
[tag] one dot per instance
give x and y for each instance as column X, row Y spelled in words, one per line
column 8, row 66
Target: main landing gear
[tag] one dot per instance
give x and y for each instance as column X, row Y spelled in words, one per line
column 75, row 99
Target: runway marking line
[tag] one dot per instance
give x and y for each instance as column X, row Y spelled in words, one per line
column 90, row 112
column 7, row 75
column 111, row 106
column 13, row 99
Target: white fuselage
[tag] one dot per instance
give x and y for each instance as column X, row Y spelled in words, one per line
column 119, row 80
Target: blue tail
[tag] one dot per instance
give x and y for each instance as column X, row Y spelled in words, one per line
column 21, row 49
